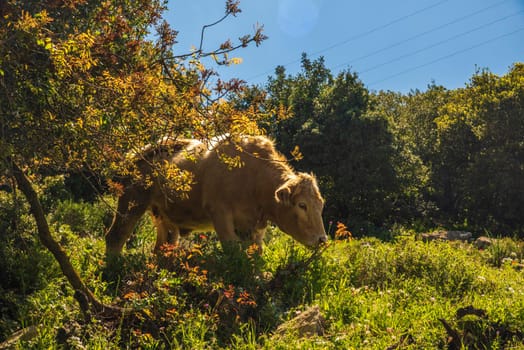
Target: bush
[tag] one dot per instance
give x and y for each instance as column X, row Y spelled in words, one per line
column 372, row 294
column 82, row 218
column 505, row 250
column 25, row 266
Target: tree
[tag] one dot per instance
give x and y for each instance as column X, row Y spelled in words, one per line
column 481, row 147
column 461, row 151
column 296, row 96
column 82, row 84
column 412, row 120
column 343, row 142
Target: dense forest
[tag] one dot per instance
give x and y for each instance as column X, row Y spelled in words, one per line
column 83, row 84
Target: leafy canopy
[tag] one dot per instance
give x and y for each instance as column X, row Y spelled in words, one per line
column 84, row 82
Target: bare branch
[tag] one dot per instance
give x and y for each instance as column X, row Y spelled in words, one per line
column 226, row 47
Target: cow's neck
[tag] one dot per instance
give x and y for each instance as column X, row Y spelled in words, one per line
column 274, row 208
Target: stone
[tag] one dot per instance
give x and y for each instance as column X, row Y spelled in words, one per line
column 483, row 242
column 307, row 323
column 447, row 236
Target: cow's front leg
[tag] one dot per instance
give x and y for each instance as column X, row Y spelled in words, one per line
column 169, row 235
column 166, row 231
column 129, row 211
column 224, row 224
column 257, row 237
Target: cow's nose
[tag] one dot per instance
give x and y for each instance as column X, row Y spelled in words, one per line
column 322, row 239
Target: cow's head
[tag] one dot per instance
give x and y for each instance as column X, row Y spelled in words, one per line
column 300, row 210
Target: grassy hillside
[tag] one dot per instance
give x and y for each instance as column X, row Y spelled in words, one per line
column 403, row 294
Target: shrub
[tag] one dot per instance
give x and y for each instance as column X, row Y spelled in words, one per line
column 25, row 266
column 82, row 218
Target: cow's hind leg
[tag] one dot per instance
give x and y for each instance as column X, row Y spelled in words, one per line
column 131, row 207
column 166, row 231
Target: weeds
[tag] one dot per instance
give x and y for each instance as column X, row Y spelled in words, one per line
column 372, row 294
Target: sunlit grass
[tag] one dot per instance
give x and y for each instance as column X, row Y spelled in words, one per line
column 372, row 294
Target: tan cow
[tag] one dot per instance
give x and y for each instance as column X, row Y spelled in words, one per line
column 235, row 201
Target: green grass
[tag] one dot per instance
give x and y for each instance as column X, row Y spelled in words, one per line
column 372, row 294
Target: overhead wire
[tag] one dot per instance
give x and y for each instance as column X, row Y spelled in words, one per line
column 419, row 35
column 447, row 56
column 359, row 36
column 399, row 19
column 441, row 42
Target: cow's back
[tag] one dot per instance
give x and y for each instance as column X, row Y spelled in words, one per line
column 241, row 176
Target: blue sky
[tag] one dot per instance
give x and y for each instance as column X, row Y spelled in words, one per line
column 392, row 45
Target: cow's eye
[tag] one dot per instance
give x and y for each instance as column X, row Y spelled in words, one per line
column 302, row 206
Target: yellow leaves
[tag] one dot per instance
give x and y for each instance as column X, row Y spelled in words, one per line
column 72, row 54
column 46, row 43
column 51, row 116
column 80, row 123
column 236, row 60
column 231, row 162
column 450, row 114
column 242, row 124
column 177, row 181
column 283, row 113
column 28, row 23
column 444, row 123
column 297, row 155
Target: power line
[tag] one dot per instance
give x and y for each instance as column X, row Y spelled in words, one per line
column 485, row 25
column 398, row 43
column 358, row 36
column 376, row 29
column 446, row 56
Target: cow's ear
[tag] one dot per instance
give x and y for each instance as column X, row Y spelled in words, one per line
column 283, row 195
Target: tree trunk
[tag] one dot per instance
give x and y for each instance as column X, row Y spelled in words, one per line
column 81, row 290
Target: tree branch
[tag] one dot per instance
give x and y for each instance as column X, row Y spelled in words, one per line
column 44, row 234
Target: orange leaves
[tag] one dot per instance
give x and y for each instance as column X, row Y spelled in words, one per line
column 243, row 298
column 115, row 187
column 342, row 232
column 253, row 250
column 132, row 295
column 229, row 293
column 186, row 262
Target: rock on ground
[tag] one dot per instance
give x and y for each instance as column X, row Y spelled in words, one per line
column 307, row 323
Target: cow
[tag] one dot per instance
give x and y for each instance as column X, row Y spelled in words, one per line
column 237, row 186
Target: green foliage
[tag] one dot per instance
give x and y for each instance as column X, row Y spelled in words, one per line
column 343, row 143
column 82, row 218
column 437, row 157
column 462, row 151
column 25, row 266
column 53, row 191
column 82, row 83
column 487, row 117
column 506, row 251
